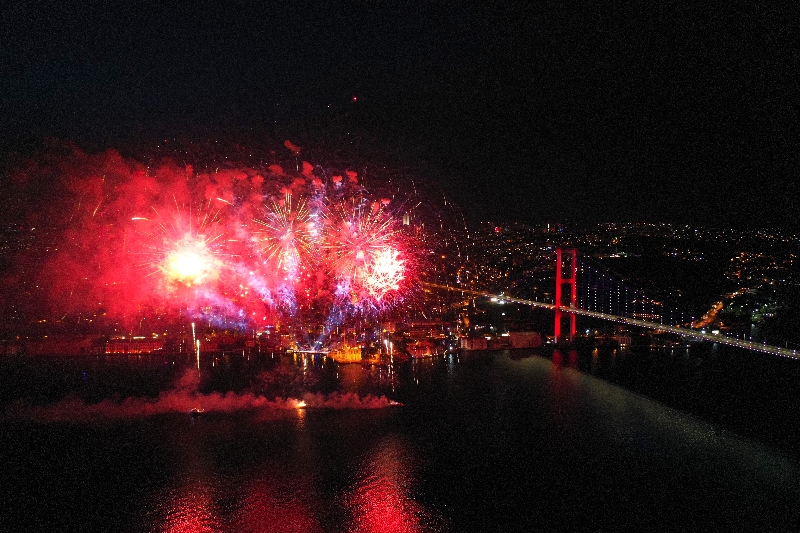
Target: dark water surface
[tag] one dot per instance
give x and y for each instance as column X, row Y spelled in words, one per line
column 485, row 441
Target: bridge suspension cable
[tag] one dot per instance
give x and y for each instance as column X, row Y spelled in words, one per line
column 685, row 332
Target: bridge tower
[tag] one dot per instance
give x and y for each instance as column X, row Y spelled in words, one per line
column 570, row 282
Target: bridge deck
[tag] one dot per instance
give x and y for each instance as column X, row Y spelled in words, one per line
column 686, row 332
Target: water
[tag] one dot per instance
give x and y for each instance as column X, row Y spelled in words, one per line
column 492, row 441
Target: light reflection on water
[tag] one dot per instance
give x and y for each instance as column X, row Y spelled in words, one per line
column 485, row 441
column 187, row 508
column 217, row 486
column 267, row 508
column 382, row 497
column 376, row 492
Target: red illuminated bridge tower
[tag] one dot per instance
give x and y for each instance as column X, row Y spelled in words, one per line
column 561, row 254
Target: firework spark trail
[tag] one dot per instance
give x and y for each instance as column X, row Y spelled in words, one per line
column 287, row 235
column 185, row 248
column 316, row 207
column 355, row 235
column 245, row 245
column 385, row 273
column 257, row 283
column 228, row 312
column 338, row 311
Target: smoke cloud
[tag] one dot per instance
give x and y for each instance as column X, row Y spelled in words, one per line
column 184, row 398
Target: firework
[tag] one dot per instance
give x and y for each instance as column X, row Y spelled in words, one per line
column 205, row 244
column 184, row 250
column 357, row 233
column 287, row 235
column 385, row 273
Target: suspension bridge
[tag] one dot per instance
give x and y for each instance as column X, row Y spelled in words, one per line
column 566, row 305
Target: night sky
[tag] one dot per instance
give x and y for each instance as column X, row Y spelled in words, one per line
column 521, row 112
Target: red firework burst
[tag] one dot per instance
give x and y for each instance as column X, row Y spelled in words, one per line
column 185, row 250
column 356, row 234
column 385, row 273
column 287, row 234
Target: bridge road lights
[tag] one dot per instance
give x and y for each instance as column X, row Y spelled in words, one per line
column 560, row 281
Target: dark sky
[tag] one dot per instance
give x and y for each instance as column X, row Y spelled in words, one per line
column 521, row 112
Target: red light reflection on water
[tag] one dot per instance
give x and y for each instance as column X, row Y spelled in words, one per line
column 267, row 508
column 187, row 510
column 262, row 507
column 561, row 390
column 558, row 359
column 383, row 500
column 573, row 359
column 283, row 496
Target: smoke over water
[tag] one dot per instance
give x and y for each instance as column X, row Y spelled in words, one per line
column 184, row 398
